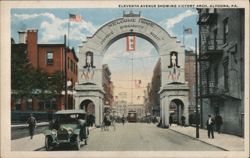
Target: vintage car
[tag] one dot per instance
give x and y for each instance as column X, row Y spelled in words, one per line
column 69, row 127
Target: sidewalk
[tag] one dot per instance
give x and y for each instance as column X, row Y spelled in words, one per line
column 27, row 144
column 223, row 141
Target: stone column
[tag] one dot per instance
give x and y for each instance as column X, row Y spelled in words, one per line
column 77, row 104
column 97, row 111
column 185, row 111
column 162, row 112
column 166, row 105
column 161, row 109
column 101, row 109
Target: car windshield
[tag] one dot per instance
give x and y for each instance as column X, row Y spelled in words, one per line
column 69, row 118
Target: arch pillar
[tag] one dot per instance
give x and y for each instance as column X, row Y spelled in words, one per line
column 94, row 93
column 186, row 110
column 169, row 93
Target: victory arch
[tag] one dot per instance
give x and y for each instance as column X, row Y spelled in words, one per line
column 172, row 56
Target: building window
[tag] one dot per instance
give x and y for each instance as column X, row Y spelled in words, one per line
column 226, row 74
column 215, row 39
column 211, row 10
column 49, row 58
column 71, row 65
column 76, row 70
column 225, row 30
column 216, row 76
column 68, row 62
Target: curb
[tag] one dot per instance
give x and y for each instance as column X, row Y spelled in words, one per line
column 199, row 140
column 26, row 125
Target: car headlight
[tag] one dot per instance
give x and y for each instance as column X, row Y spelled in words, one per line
column 54, row 132
column 70, row 131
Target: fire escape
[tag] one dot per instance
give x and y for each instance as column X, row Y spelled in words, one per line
column 210, row 53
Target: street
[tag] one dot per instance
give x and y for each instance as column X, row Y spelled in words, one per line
column 140, row 137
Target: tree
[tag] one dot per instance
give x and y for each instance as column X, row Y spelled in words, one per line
column 21, row 72
column 28, row 82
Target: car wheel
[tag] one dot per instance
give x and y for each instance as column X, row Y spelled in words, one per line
column 78, row 143
column 48, row 143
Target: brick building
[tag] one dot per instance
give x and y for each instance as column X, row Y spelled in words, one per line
column 48, row 58
column 222, row 66
column 108, row 86
column 190, row 78
column 154, row 88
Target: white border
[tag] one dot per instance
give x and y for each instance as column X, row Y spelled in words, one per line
column 5, row 79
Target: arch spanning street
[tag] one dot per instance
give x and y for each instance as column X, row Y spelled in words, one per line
column 173, row 85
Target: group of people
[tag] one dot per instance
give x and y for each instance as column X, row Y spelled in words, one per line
column 211, row 122
column 183, row 118
column 217, row 121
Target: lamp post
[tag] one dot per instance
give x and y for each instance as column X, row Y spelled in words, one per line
column 196, row 90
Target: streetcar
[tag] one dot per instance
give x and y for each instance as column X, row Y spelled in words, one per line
column 132, row 116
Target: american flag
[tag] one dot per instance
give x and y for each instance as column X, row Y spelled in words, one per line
column 131, row 43
column 188, row 30
column 75, row 18
column 137, row 83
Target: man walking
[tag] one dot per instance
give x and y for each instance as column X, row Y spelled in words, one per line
column 32, row 125
column 123, row 119
column 210, row 126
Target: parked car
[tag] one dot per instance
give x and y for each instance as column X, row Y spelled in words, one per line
column 69, row 127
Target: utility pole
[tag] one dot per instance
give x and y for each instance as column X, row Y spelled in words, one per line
column 196, row 90
column 65, row 73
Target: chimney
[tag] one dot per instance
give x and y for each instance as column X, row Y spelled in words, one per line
column 32, row 46
column 22, row 36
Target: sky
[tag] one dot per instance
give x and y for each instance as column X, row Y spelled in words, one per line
column 53, row 23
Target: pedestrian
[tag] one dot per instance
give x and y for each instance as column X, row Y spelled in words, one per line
column 210, row 126
column 123, row 119
column 32, row 125
column 218, row 122
column 170, row 120
column 160, row 122
column 92, row 119
column 183, row 118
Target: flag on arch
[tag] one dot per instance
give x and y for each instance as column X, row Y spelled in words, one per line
column 137, row 83
column 131, row 42
column 188, row 30
column 75, row 18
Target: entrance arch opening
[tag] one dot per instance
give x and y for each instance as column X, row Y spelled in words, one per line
column 88, row 106
column 176, row 110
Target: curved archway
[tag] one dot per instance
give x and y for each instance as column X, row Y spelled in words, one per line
column 88, row 105
column 176, row 110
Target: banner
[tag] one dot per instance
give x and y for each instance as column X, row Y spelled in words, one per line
column 131, row 43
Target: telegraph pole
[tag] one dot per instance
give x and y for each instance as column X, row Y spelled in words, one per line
column 65, row 73
column 196, row 90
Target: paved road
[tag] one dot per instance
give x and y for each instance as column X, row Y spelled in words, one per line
column 141, row 137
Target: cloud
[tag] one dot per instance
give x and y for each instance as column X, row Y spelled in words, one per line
column 52, row 28
column 33, row 16
column 59, row 27
column 171, row 22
